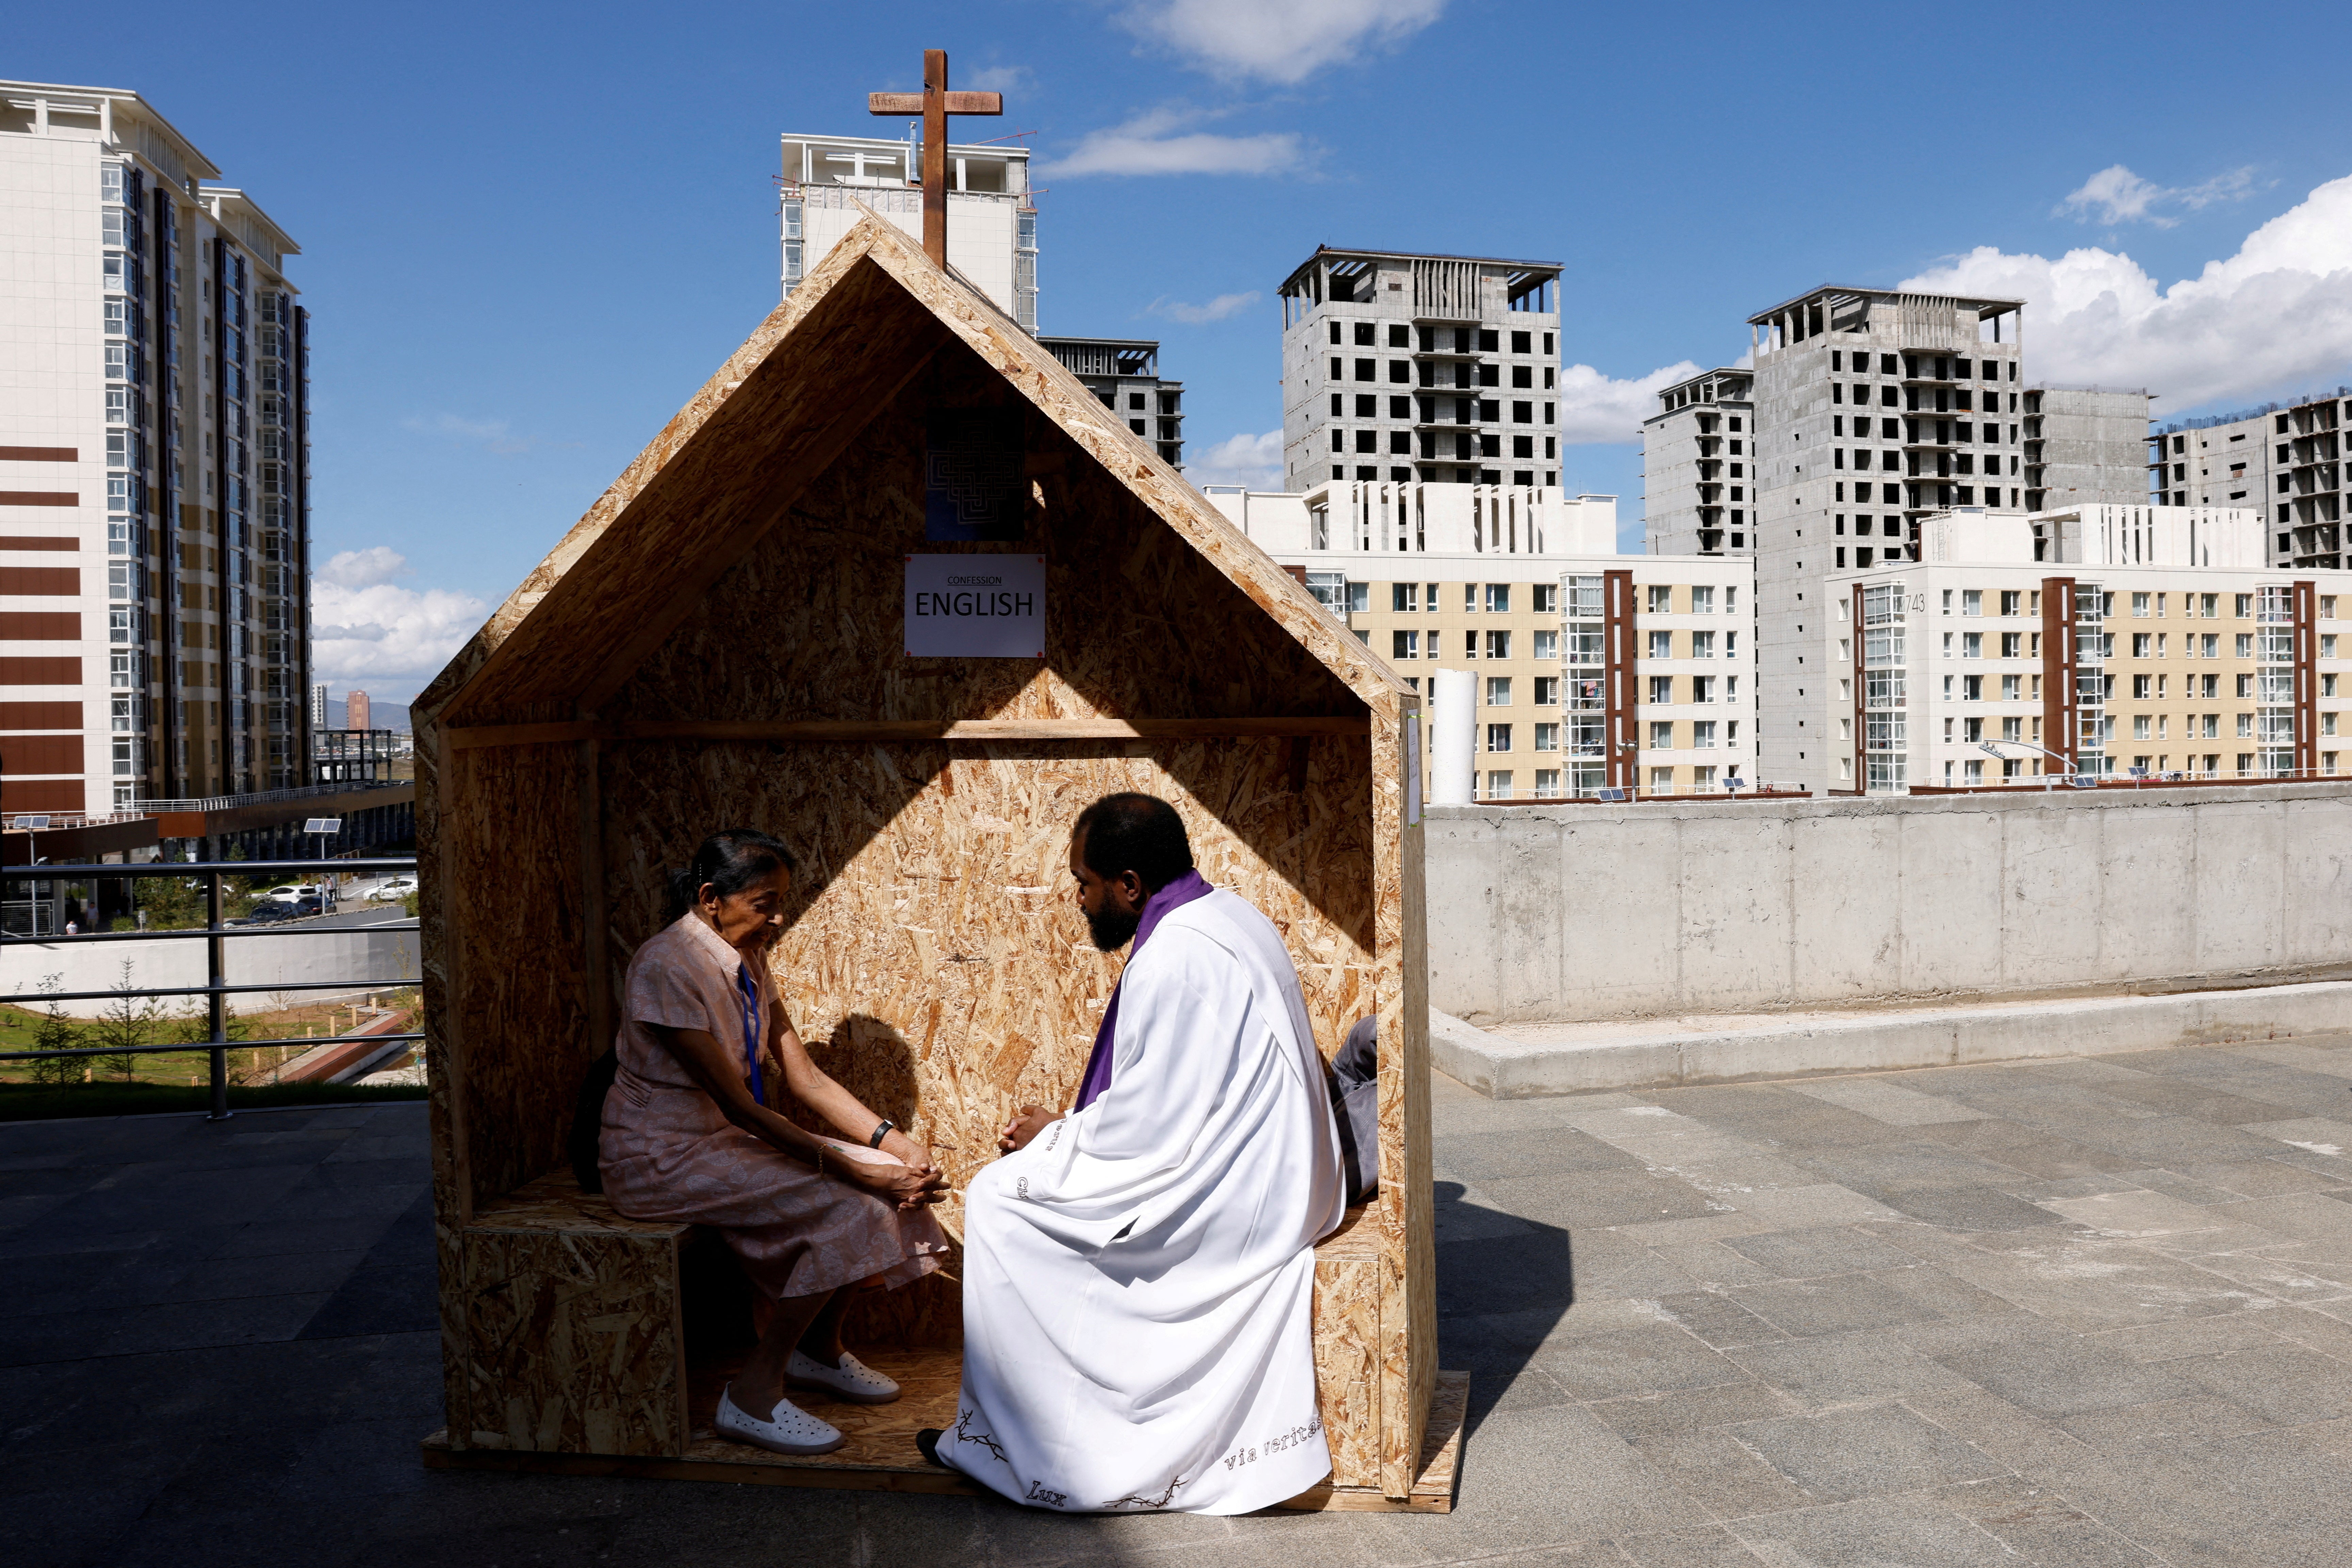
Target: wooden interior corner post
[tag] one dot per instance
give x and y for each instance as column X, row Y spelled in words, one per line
column 935, row 103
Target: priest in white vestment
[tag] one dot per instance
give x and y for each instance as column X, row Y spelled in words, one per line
column 1138, row 1274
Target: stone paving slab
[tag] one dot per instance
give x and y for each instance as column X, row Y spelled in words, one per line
column 2061, row 1311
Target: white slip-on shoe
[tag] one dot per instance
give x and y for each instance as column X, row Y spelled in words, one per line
column 789, row 1430
column 853, row 1380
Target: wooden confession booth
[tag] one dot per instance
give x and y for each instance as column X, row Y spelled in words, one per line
column 756, row 625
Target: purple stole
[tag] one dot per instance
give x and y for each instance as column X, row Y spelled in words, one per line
column 1175, row 895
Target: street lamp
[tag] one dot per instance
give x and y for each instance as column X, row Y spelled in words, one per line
column 32, row 827
column 1988, row 749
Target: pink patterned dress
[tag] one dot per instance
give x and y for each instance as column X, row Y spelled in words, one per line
column 668, row 1153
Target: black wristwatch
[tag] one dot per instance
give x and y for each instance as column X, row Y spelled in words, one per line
column 881, row 1132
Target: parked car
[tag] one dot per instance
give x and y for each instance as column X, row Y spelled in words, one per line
column 269, row 911
column 393, row 889
column 294, row 891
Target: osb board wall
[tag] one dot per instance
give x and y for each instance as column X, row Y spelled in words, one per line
column 574, row 1342
column 506, row 975
column 1349, row 1293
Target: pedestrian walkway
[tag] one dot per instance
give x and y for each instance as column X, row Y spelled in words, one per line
column 2069, row 1311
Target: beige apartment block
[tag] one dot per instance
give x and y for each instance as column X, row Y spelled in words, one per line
column 2110, row 643
column 1523, row 590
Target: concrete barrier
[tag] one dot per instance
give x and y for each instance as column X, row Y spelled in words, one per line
column 1552, row 914
column 279, row 957
column 1526, row 1061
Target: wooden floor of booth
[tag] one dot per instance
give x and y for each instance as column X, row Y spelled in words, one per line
column 880, row 1453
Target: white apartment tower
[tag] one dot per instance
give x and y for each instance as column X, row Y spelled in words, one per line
column 1873, row 409
column 991, row 221
column 154, row 496
column 1697, row 461
column 1400, row 368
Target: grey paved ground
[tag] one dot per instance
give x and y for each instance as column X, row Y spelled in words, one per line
column 2071, row 1312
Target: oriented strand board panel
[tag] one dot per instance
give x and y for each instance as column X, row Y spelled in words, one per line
column 573, row 1340
column 1350, row 1281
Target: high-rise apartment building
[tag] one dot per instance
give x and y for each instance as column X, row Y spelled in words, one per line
column 318, row 706
column 1434, row 369
column 1698, row 465
column 358, row 713
column 991, row 221
column 1873, row 409
column 2286, row 460
column 154, row 494
column 1125, row 373
column 2084, row 445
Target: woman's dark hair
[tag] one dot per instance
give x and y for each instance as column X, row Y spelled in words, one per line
column 1137, row 833
column 728, row 861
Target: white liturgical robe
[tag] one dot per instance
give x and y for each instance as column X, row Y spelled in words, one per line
column 1138, row 1281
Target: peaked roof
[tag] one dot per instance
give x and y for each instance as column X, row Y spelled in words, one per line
column 778, row 412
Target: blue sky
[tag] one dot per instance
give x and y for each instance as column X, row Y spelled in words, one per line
column 530, row 232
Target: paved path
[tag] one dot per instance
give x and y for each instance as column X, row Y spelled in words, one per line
column 2067, row 1312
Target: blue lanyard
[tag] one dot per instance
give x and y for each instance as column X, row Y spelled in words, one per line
column 750, row 1030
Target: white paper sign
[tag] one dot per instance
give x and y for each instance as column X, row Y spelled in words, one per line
column 975, row 607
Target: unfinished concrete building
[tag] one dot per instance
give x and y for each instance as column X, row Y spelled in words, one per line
column 2284, row 459
column 1124, row 374
column 1873, row 409
column 1399, row 367
column 2084, row 445
column 1696, row 453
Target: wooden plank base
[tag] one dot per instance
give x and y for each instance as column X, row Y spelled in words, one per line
column 880, row 1455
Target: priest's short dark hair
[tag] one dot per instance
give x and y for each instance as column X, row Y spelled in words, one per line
column 1134, row 831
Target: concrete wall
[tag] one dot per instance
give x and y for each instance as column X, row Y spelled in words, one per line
column 1543, row 913
column 353, row 954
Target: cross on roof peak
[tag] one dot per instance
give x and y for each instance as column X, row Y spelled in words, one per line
column 935, row 103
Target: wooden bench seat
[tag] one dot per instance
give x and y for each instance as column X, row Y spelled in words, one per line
column 575, row 1322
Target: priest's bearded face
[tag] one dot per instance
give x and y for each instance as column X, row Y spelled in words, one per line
column 1113, row 905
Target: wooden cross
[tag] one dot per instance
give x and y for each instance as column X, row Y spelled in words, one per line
column 935, row 103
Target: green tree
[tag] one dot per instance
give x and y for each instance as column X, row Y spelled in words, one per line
column 128, row 1022
column 56, row 1033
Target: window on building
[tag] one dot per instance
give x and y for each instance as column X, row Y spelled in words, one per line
column 1702, row 644
column 1499, row 598
column 1972, row 688
column 1498, row 737
column 1547, row 693
column 1662, row 735
column 1661, row 599
column 1703, row 734
column 1702, row 688
column 1498, row 785
column 1498, row 691
column 1498, row 645
column 1404, row 645
column 1547, row 646
column 1547, row 598
column 1547, row 781
column 1662, row 690
column 1404, row 597
column 1662, row 645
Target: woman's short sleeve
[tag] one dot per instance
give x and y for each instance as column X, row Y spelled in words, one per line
column 664, row 991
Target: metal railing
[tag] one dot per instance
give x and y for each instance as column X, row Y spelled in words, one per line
column 261, row 797
column 215, row 936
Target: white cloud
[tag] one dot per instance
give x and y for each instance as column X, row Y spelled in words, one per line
column 495, row 435
column 1594, row 409
column 365, row 626
column 1252, row 460
column 2115, row 195
column 1277, row 40
column 1216, row 309
column 365, row 568
column 1155, row 143
column 1001, row 78
column 2275, row 318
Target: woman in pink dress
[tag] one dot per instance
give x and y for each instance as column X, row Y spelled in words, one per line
column 692, row 1132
